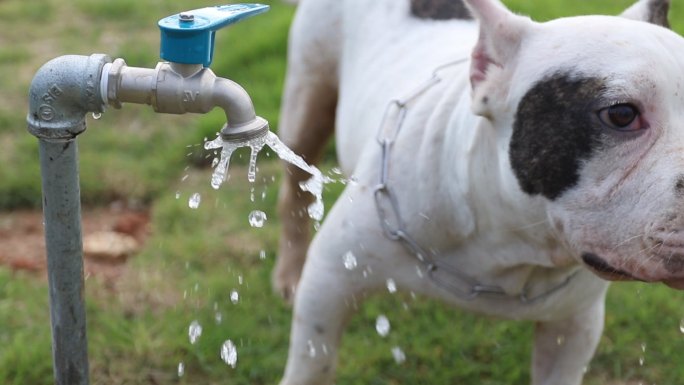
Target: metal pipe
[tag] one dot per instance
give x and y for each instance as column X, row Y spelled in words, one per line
column 179, row 88
column 62, row 211
column 62, row 92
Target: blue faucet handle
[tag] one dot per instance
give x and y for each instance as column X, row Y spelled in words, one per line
column 188, row 37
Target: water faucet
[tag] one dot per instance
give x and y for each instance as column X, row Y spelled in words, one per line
column 184, row 82
column 68, row 87
column 64, row 90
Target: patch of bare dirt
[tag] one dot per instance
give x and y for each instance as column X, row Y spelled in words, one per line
column 110, row 237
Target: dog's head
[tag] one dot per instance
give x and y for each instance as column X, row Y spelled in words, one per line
column 595, row 109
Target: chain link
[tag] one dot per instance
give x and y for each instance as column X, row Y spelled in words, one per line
column 393, row 226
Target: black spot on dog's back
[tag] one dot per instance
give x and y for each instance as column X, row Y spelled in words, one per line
column 439, row 9
column 555, row 129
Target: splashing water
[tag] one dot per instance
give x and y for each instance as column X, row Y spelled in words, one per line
column 194, row 201
column 382, row 326
column 181, row 369
column 391, row 286
column 314, row 185
column 311, row 348
column 257, row 218
column 229, row 353
column 398, row 354
column 194, row 331
column 97, row 115
column 234, row 296
column 349, row 260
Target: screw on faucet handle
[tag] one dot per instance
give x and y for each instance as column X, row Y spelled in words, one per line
column 188, row 37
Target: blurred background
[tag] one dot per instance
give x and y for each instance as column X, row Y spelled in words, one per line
column 167, row 267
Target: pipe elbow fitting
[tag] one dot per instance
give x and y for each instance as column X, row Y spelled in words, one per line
column 62, row 91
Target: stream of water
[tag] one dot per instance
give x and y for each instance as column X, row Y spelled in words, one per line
column 314, row 185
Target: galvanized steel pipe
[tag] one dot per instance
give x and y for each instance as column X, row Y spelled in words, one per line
column 62, row 92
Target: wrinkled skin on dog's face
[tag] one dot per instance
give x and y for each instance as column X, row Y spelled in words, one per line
column 600, row 136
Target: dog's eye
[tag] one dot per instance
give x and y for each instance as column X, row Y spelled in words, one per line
column 621, row 117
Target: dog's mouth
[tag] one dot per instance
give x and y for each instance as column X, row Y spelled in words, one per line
column 604, row 270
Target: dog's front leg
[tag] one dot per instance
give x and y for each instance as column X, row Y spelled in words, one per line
column 563, row 348
column 326, row 298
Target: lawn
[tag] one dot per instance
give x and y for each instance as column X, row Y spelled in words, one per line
column 194, row 260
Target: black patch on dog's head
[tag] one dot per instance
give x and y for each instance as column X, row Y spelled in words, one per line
column 555, row 129
column 440, row 9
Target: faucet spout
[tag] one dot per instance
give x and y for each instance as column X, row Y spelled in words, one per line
column 241, row 120
column 179, row 88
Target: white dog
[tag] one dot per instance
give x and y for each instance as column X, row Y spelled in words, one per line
column 493, row 160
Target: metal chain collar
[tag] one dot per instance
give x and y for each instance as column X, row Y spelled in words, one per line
column 447, row 277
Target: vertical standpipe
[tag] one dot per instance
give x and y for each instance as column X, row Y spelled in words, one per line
column 62, row 92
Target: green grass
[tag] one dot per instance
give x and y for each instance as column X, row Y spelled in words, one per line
column 194, row 258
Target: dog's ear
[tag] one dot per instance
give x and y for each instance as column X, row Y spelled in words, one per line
column 652, row 11
column 501, row 32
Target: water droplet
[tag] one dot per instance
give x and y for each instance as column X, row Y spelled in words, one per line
column 560, row 340
column 681, row 325
column 336, row 171
column 181, row 369
column 177, row 194
column 382, row 326
column 398, row 354
column 234, row 296
column 263, row 195
column 229, row 353
column 97, row 115
column 312, row 348
column 257, row 218
column 349, row 260
column 194, row 201
column 240, row 280
column 251, row 194
column 643, row 347
column 262, row 254
column 641, row 361
column 194, row 331
column 391, row 286
column 218, row 317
